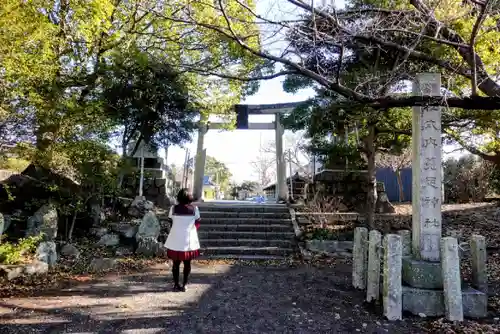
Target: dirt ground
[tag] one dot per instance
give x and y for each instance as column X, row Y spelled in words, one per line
column 223, row 298
column 230, row 297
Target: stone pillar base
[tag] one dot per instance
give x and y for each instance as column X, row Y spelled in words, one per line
column 422, row 274
column 431, row 302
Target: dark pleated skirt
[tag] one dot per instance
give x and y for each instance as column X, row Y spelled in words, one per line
column 182, row 255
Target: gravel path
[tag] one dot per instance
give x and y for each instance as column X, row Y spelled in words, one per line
column 222, row 299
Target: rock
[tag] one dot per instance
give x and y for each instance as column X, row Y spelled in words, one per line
column 123, row 251
column 70, row 250
column 7, row 220
column 110, row 239
column 140, row 206
column 383, row 205
column 2, row 224
column 126, row 229
column 36, row 267
column 149, row 228
column 337, row 316
column 11, row 272
column 102, row 264
column 99, row 231
column 46, row 252
column 149, row 247
column 45, row 221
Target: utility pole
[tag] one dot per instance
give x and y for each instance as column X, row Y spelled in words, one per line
column 141, row 177
column 290, row 166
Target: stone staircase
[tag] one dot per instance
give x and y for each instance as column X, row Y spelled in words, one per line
column 245, row 231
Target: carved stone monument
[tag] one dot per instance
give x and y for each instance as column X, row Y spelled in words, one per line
column 422, row 271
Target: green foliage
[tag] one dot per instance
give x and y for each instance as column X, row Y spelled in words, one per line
column 149, row 100
column 218, row 171
column 13, row 164
column 15, row 253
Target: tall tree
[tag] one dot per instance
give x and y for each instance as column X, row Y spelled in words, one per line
column 457, row 38
column 265, row 168
column 149, row 101
column 55, row 54
column 218, row 171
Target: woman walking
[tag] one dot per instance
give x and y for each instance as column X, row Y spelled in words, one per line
column 182, row 242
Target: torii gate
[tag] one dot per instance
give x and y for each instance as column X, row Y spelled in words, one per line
column 242, row 111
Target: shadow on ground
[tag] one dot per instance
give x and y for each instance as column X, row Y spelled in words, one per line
column 221, row 299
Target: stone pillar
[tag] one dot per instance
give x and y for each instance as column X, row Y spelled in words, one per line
column 199, row 165
column 427, row 177
column 478, row 255
column 281, row 187
column 360, row 257
column 450, row 263
column 405, row 241
column 392, row 289
column 373, row 276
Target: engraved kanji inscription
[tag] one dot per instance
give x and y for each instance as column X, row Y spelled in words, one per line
column 428, row 223
column 430, row 164
column 431, row 181
column 430, row 124
column 430, row 201
column 430, row 141
column 430, row 242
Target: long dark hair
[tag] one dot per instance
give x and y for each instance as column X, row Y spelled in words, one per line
column 184, row 197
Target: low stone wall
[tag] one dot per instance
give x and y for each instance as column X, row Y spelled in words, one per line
column 330, row 246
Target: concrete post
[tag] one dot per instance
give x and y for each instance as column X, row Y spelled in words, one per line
column 450, row 264
column 392, row 287
column 478, row 255
column 199, row 166
column 374, row 257
column 360, row 258
column 426, row 172
column 281, row 187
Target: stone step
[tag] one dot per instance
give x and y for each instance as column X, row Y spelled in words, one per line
column 256, row 220
column 242, row 250
column 246, row 243
column 242, row 257
column 245, row 235
column 246, row 227
column 263, row 215
column 248, row 208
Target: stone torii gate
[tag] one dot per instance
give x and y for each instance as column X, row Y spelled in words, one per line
column 242, row 111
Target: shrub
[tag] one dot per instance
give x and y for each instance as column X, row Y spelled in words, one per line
column 15, row 253
column 468, row 179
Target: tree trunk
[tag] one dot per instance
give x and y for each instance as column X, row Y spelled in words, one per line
column 400, row 186
column 371, row 197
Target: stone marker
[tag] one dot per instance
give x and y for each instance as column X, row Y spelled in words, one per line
column 373, row 276
column 478, row 259
column 44, row 220
column 426, row 173
column 450, row 263
column 360, row 257
column 46, row 252
column 392, row 289
column 405, row 241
